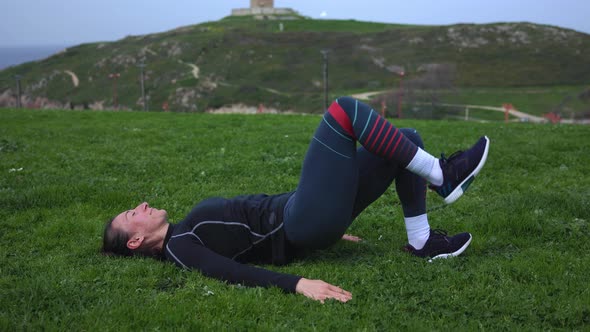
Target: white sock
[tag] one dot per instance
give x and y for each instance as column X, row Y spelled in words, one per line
column 427, row 166
column 418, row 230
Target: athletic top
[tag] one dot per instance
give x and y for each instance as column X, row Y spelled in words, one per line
column 219, row 235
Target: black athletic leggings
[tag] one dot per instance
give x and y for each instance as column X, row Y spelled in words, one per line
column 338, row 181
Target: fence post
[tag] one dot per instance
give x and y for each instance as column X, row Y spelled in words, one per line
column 142, row 78
column 18, row 97
column 325, row 74
column 507, row 108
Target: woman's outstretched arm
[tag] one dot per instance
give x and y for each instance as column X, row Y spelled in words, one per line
column 320, row 290
column 188, row 253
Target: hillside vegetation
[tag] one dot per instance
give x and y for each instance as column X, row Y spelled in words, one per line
column 241, row 60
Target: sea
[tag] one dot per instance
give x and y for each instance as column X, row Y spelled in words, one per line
column 15, row 55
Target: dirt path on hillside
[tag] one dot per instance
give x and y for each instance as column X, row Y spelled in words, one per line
column 195, row 70
column 368, row 95
column 243, row 109
column 74, row 77
column 522, row 116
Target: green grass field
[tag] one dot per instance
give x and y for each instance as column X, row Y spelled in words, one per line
column 64, row 173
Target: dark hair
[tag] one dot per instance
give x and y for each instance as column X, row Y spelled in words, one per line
column 114, row 242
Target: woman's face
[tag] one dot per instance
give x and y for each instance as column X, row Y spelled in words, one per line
column 142, row 220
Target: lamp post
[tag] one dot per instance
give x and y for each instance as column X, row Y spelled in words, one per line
column 325, row 58
column 399, row 95
column 115, row 77
column 141, row 67
column 18, row 98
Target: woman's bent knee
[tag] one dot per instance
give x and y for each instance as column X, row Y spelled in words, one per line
column 413, row 135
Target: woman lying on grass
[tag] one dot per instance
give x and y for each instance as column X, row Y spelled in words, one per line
column 219, row 236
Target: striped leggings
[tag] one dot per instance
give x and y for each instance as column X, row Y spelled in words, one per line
column 338, row 181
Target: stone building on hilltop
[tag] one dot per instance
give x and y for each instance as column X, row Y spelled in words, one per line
column 262, row 3
column 263, row 9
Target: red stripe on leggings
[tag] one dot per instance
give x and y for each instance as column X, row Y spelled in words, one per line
column 384, row 138
column 390, row 141
column 373, row 130
column 403, row 149
column 340, row 116
column 379, row 133
column 395, row 146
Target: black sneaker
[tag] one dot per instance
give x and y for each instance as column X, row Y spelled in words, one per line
column 460, row 169
column 439, row 245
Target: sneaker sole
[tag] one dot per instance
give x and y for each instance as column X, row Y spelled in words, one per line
column 462, row 187
column 453, row 254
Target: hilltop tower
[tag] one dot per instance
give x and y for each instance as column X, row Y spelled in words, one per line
column 264, row 9
column 262, row 3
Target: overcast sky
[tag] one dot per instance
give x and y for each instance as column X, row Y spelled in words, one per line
column 70, row 22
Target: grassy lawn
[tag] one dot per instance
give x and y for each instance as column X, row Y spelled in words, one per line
column 64, row 173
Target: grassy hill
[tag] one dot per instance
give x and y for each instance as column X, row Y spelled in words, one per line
column 239, row 59
column 529, row 212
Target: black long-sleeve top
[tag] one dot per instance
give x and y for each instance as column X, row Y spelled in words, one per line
column 219, row 236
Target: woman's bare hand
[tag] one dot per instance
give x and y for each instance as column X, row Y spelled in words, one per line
column 351, row 238
column 320, row 290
